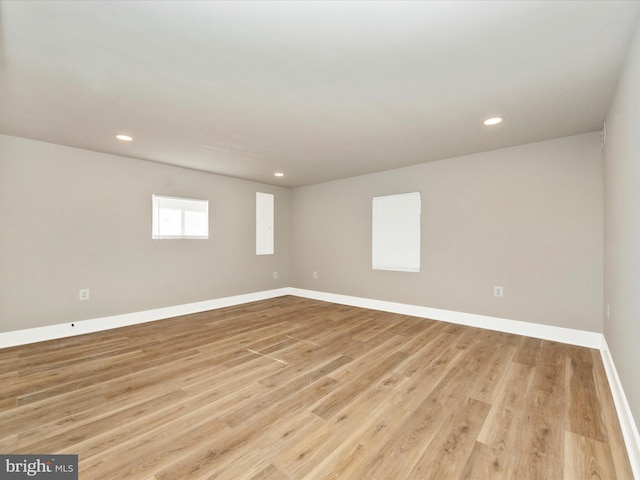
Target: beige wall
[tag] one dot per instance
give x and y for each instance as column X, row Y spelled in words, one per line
column 528, row 218
column 622, row 228
column 76, row 219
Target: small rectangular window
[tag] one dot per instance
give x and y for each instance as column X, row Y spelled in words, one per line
column 396, row 232
column 264, row 223
column 175, row 217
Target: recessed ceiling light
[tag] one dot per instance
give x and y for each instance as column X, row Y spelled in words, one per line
column 278, row 174
column 492, row 121
column 123, row 137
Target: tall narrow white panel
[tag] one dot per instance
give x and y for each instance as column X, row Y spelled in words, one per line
column 396, row 232
column 264, row 224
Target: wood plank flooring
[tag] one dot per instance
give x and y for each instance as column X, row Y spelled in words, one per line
column 291, row 388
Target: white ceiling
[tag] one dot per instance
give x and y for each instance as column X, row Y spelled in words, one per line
column 318, row 90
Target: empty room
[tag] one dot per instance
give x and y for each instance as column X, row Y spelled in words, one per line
column 305, row 240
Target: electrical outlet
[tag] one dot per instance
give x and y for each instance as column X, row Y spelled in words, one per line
column 83, row 294
column 315, row 275
column 498, row 291
column 275, row 275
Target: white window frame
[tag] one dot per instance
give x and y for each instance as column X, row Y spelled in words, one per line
column 184, row 206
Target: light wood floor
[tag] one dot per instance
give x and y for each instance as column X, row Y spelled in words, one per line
column 292, row 388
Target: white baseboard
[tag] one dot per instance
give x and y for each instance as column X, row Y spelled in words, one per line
column 547, row 332
column 625, row 417
column 50, row 332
